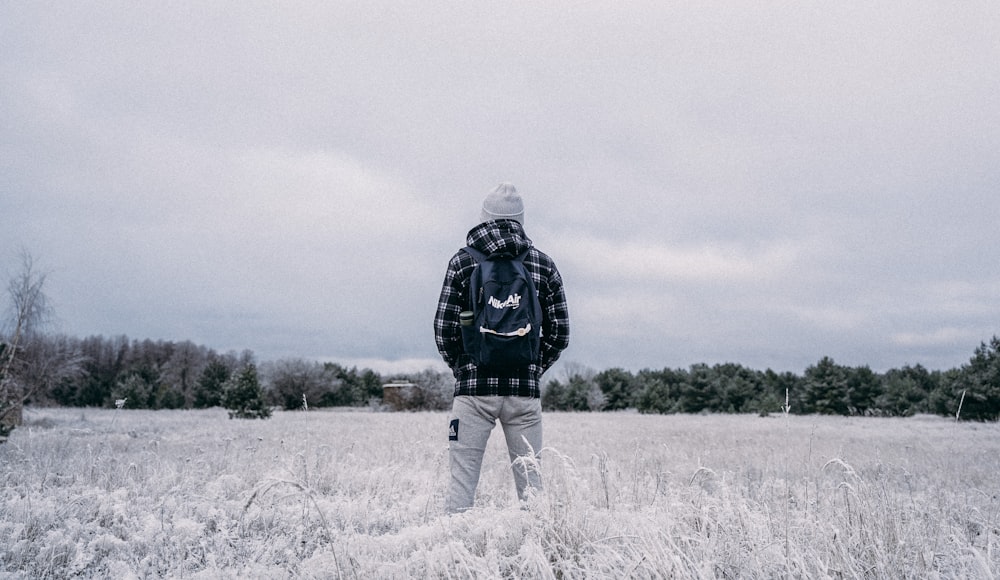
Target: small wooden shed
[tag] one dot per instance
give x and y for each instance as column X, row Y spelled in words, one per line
column 398, row 394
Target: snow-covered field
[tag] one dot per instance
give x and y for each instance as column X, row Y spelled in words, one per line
column 337, row 494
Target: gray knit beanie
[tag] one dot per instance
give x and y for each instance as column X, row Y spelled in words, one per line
column 504, row 202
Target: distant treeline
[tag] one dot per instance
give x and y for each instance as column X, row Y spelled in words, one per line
column 971, row 392
column 98, row 371
column 146, row 374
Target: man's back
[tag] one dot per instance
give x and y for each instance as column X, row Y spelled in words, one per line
column 496, row 237
column 487, row 394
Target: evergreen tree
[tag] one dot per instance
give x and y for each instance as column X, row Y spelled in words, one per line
column 355, row 389
column 582, row 394
column 978, row 385
column 103, row 368
column 781, row 388
column 659, row 391
column 208, row 390
column 348, row 392
column 168, row 397
column 371, row 386
column 940, row 399
column 700, row 392
column 774, row 389
column 906, row 391
column 825, row 388
column 136, row 390
column 553, row 396
column 863, row 389
column 243, row 396
column 579, row 393
column 619, row 388
column 739, row 388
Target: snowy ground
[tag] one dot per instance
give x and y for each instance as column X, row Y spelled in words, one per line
column 337, row 494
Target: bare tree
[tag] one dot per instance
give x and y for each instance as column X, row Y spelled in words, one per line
column 295, row 383
column 46, row 361
column 181, row 371
column 29, row 312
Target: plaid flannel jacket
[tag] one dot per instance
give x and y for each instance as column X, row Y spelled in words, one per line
column 492, row 237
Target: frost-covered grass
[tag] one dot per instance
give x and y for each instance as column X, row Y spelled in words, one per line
column 334, row 494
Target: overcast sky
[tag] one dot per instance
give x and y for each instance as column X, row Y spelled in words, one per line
column 762, row 183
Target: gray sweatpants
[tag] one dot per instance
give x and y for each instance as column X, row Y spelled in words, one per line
column 472, row 421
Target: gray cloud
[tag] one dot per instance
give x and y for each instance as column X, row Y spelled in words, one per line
column 765, row 184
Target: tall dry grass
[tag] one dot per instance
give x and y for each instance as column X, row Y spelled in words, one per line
column 359, row 495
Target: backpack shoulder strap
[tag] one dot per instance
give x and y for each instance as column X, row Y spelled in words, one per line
column 476, row 254
column 481, row 257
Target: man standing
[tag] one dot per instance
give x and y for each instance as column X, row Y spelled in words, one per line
column 485, row 394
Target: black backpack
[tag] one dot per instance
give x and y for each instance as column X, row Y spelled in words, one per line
column 504, row 332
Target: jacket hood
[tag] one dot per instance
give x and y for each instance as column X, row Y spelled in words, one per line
column 499, row 237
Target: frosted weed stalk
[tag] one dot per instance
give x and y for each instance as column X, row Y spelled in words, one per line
column 300, row 489
column 788, row 492
column 298, row 481
column 119, row 403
